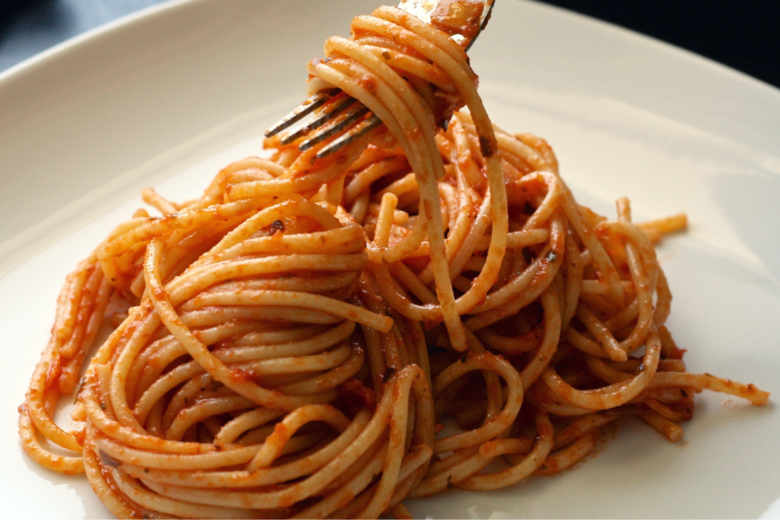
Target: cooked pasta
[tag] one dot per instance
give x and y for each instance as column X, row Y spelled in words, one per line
column 297, row 341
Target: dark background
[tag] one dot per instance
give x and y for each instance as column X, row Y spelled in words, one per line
column 743, row 34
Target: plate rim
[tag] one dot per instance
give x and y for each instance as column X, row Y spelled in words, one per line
column 152, row 11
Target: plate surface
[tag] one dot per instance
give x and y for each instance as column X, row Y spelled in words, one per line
column 167, row 97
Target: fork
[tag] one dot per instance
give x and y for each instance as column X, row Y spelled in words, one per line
column 334, row 112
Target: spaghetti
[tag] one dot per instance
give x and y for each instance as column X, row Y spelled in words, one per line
column 291, row 343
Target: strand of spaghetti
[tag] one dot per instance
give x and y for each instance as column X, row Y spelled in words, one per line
column 406, row 63
column 522, row 150
column 170, row 458
column 374, row 454
column 413, row 466
column 84, row 310
column 613, row 395
column 552, row 332
column 606, row 372
column 347, row 491
column 98, row 481
column 585, row 425
column 81, row 305
column 495, row 426
column 585, row 344
column 291, row 299
column 68, row 300
column 202, row 277
column 679, row 414
column 450, row 478
column 575, row 269
column 461, row 222
column 708, row 382
column 298, row 364
column 599, row 255
column 326, row 383
column 129, row 437
column 94, row 313
column 411, row 377
column 341, row 241
column 328, row 169
column 639, row 254
column 202, row 410
column 35, row 407
column 216, row 189
column 626, row 316
column 233, row 429
column 31, row 445
column 179, row 508
column 519, row 239
column 547, row 264
column 146, row 323
column 514, row 345
column 601, row 333
column 466, row 249
column 155, row 227
column 363, row 180
column 412, row 283
column 567, row 457
column 212, row 316
column 667, row 428
column 498, row 447
column 161, row 204
column 286, row 209
column 541, row 147
column 256, row 346
column 403, row 186
column 383, row 227
column 272, row 447
column 516, row 473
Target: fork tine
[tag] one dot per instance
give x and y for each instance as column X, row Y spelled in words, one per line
column 307, row 107
column 320, row 120
column 349, row 117
column 322, row 123
column 355, row 132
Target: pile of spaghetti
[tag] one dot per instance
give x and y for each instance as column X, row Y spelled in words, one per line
column 294, row 342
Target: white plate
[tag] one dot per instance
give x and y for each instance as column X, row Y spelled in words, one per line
column 167, row 97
